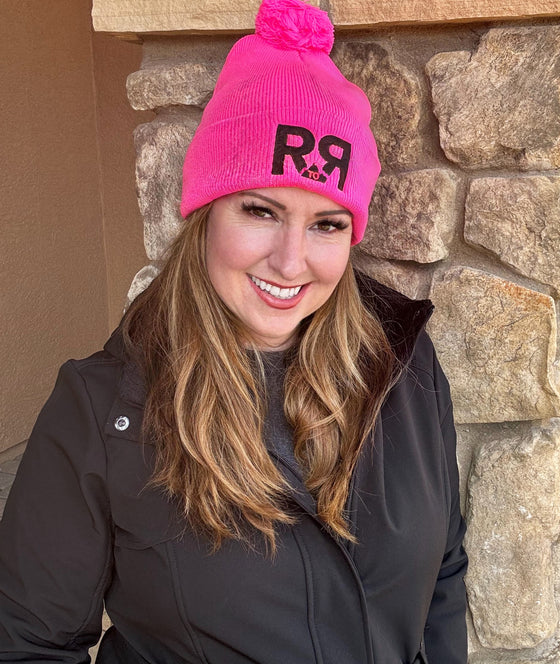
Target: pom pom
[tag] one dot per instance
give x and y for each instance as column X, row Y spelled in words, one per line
column 293, row 24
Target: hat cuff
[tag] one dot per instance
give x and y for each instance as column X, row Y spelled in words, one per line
column 238, row 154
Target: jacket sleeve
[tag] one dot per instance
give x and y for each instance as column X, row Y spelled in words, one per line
column 446, row 632
column 55, row 537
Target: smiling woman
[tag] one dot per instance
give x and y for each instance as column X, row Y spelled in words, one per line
column 260, row 464
column 275, row 256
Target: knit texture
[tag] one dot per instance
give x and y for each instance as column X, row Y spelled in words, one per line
column 283, row 115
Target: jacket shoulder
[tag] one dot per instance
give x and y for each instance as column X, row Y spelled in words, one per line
column 100, row 375
column 101, row 361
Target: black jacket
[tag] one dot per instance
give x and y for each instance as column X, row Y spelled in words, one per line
column 81, row 528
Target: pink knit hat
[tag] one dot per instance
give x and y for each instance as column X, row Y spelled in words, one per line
column 283, row 115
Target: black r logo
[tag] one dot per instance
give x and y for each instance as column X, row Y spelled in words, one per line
column 306, row 143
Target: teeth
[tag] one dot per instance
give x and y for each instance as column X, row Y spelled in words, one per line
column 280, row 293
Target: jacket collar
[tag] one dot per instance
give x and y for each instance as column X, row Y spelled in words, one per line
column 402, row 319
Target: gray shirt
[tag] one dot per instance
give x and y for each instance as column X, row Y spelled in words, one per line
column 278, row 434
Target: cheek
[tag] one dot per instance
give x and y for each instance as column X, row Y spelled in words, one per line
column 228, row 254
column 217, row 259
column 332, row 264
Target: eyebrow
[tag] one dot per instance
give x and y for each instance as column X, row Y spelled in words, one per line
column 265, row 198
column 326, row 213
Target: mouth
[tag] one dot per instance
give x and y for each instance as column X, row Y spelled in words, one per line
column 275, row 290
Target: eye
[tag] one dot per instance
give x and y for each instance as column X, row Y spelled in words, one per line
column 331, row 226
column 257, row 211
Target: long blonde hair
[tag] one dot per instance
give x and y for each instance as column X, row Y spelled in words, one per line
column 206, row 405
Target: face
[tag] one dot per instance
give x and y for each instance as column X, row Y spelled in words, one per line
column 275, row 256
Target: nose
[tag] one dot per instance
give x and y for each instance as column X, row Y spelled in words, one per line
column 288, row 257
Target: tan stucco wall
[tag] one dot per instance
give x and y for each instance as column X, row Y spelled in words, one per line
column 113, row 60
column 61, row 278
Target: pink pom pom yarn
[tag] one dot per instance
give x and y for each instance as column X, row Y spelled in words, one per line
column 283, row 115
column 291, row 24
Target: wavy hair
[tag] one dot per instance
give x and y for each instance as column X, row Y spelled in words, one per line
column 206, row 404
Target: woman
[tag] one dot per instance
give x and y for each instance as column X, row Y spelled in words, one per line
column 260, row 464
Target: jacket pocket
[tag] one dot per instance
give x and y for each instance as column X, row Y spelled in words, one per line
column 128, row 537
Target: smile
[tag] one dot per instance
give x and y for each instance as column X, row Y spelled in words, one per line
column 280, row 293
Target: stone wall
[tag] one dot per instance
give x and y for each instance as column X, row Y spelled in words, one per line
column 466, row 212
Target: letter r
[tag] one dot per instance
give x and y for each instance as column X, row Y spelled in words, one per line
column 296, row 152
column 333, row 162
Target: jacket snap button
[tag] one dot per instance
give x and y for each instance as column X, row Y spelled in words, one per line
column 121, row 423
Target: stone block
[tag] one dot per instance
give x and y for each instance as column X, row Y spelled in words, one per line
column 401, row 277
column 142, row 279
column 216, row 15
column 361, row 13
column 502, row 657
column 499, row 107
column 395, row 99
column 175, row 15
column 468, row 440
column 497, row 344
column 188, row 84
column 177, row 71
column 471, row 437
column 513, row 515
column 160, row 152
column 412, row 216
column 519, row 220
